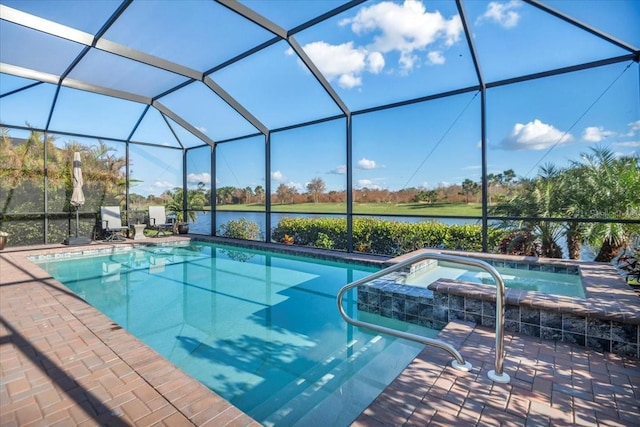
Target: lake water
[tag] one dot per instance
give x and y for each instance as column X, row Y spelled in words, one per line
column 203, row 223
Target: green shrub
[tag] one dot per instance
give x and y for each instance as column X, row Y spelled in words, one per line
column 329, row 233
column 382, row 237
column 465, row 237
column 413, row 236
column 240, row 229
column 324, row 242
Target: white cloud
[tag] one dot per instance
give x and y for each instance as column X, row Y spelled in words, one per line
column 452, row 30
column 375, row 62
column 367, row 183
column 366, row 164
column 406, row 61
column 295, row 185
column 339, row 170
column 436, row 57
column 503, row 14
column 620, row 154
column 534, row 135
column 596, row 134
column 202, row 129
column 342, row 62
column 160, row 186
column 199, row 177
column 633, row 128
column 632, row 144
column 278, row 176
column 404, row 28
column 349, row 80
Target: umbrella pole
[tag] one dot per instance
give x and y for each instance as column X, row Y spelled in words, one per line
column 77, row 219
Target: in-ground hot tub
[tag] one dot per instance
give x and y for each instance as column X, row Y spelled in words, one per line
column 606, row 318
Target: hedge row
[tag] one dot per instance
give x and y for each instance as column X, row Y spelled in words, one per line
column 382, row 237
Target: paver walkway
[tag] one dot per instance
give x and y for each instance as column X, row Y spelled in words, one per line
column 552, row 384
column 64, row 363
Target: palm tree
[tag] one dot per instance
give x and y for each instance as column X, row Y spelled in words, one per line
column 541, row 197
column 600, row 186
column 195, row 201
column 577, row 207
column 606, row 187
column 224, row 195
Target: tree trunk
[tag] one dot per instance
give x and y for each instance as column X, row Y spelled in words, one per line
column 552, row 250
column 574, row 242
column 608, row 251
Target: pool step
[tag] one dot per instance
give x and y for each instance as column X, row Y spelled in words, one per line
column 297, row 399
column 363, row 369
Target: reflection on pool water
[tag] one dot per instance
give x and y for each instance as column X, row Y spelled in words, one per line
column 530, row 280
column 260, row 329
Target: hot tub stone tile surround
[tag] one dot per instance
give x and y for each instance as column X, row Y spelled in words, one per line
column 608, row 319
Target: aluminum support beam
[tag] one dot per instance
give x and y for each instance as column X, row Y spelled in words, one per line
column 235, row 105
column 483, row 121
column 173, row 116
column 582, row 25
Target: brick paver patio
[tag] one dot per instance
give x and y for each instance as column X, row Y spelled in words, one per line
column 552, row 384
column 64, row 363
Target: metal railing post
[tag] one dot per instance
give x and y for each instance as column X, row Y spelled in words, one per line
column 497, row 374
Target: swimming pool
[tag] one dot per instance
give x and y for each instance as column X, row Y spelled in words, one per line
column 261, row 329
column 528, row 280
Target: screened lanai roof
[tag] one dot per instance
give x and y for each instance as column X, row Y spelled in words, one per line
column 184, row 73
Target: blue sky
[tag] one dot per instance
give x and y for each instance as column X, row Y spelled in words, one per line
column 378, row 53
column 384, row 52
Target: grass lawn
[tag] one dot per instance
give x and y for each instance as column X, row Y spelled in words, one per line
column 454, row 209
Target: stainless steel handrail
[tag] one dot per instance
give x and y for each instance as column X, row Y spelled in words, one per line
column 459, row 363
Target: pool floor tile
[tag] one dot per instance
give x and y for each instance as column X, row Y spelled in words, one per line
column 62, row 362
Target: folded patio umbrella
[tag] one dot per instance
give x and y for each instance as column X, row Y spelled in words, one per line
column 77, row 198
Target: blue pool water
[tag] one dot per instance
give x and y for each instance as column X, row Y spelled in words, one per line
column 538, row 281
column 260, row 329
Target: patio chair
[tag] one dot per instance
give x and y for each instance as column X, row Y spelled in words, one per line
column 158, row 221
column 112, row 223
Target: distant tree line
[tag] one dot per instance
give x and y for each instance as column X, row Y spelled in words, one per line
column 500, row 186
